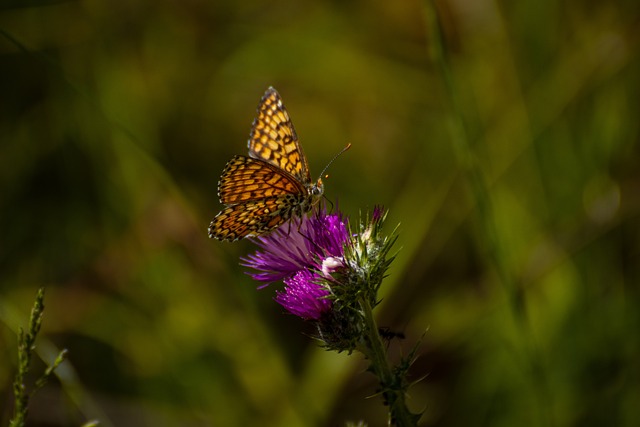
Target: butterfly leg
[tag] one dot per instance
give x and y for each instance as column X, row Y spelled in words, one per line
column 328, row 200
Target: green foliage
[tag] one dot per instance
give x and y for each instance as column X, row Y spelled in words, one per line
column 26, row 346
column 503, row 137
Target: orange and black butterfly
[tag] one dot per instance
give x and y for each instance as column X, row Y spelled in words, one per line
column 271, row 185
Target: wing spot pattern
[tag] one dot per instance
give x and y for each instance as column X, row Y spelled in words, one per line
column 263, row 191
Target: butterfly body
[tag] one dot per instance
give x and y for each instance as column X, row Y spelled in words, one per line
column 264, row 190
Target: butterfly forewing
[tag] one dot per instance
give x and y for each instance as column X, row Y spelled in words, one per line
column 274, row 140
column 245, row 179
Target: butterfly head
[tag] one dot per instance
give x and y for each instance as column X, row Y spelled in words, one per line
column 317, row 190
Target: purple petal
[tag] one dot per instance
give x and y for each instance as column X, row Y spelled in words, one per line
column 303, row 297
column 378, row 213
column 299, row 245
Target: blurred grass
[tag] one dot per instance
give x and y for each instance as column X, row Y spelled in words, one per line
column 117, row 119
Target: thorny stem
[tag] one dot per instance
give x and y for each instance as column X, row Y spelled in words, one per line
column 393, row 388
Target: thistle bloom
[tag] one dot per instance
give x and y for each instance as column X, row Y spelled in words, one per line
column 304, row 296
column 331, row 278
column 302, row 255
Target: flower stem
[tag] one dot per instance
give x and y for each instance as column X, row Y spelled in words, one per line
column 488, row 224
column 392, row 385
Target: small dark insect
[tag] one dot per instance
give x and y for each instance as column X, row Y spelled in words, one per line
column 387, row 334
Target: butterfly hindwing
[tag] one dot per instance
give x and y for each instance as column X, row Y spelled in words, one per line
column 252, row 218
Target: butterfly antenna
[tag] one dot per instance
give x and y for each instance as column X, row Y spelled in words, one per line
column 334, row 157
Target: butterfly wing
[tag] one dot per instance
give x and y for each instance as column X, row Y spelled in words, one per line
column 245, row 179
column 274, row 139
column 252, row 218
column 266, row 189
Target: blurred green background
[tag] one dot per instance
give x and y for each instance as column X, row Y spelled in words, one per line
column 507, row 151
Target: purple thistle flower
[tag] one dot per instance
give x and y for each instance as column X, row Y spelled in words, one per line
column 303, row 296
column 378, row 213
column 301, row 254
column 298, row 246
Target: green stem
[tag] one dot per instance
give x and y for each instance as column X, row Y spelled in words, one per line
column 393, row 388
column 482, row 200
column 26, row 345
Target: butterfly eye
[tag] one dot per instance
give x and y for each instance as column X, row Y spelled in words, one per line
column 318, row 188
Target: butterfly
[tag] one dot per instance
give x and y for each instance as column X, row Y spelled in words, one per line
column 272, row 185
